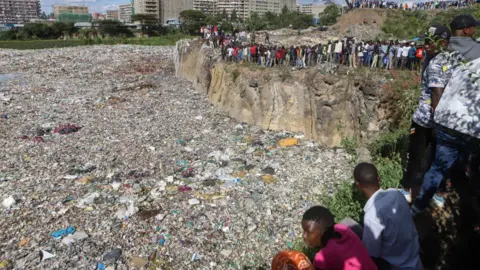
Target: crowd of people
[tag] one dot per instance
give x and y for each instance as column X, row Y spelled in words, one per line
column 445, row 130
column 413, row 5
column 348, row 51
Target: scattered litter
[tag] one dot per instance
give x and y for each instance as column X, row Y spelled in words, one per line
column 184, row 188
column 66, row 129
column 4, row 264
column 160, row 217
column 23, row 242
column 163, row 179
column 195, row 257
column 8, row 202
column 268, row 170
column 112, row 256
column 63, row 232
column 46, row 255
column 226, row 252
column 268, row 178
column 116, row 185
column 288, row 142
column 138, row 262
column 84, row 180
column 193, row 201
column 87, row 200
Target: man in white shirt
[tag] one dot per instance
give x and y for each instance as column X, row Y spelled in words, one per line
column 398, row 48
column 230, row 51
column 389, row 233
column 406, row 48
column 338, row 50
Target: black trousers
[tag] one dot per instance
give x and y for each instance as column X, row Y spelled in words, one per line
column 420, row 155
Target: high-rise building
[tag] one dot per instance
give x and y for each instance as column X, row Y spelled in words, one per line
column 171, row 8
column 71, row 13
column 58, row 9
column 244, row 8
column 208, row 7
column 19, row 11
column 112, row 15
column 149, row 7
column 125, row 13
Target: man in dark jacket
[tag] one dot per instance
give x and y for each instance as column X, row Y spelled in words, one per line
column 463, row 28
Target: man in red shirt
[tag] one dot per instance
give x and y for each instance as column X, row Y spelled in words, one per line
column 253, row 53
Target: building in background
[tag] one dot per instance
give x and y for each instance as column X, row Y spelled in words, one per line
column 19, row 11
column 149, row 7
column 112, row 15
column 125, row 13
column 312, row 9
column 208, row 7
column 171, row 8
column 97, row 16
column 58, row 9
column 244, row 8
column 71, row 14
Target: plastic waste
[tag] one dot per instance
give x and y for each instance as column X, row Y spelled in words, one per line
column 112, row 256
column 193, row 201
column 8, row 202
column 138, row 262
column 288, row 142
column 63, row 232
column 46, row 255
column 195, row 257
column 66, row 129
column 231, row 183
column 162, row 242
column 184, row 188
column 87, row 200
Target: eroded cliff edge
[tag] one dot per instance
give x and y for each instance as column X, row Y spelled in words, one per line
column 325, row 107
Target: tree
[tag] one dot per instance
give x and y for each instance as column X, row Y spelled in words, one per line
column 224, row 15
column 330, row 15
column 147, row 22
column 113, row 28
column 191, row 21
column 43, row 16
column 255, row 23
column 233, row 16
column 285, row 9
column 302, row 21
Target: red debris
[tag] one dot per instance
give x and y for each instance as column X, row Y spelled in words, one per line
column 184, row 188
column 37, row 139
column 66, row 129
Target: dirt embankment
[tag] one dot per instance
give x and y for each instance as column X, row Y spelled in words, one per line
column 359, row 15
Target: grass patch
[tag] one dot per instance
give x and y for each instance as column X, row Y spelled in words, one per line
column 350, row 145
column 168, row 40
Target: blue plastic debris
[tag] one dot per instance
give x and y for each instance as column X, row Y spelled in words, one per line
column 60, row 233
column 162, row 242
column 100, row 266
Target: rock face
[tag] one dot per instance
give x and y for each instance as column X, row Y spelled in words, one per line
column 324, row 107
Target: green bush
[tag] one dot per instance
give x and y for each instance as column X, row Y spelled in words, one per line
column 409, row 24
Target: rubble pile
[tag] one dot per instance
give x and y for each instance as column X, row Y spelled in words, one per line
column 109, row 161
